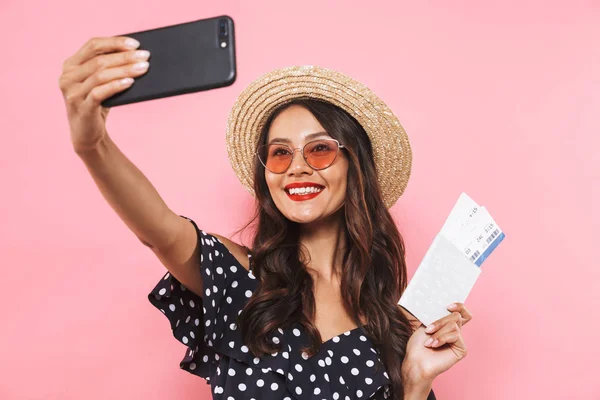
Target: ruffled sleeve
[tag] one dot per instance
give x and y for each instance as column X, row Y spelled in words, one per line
column 200, row 323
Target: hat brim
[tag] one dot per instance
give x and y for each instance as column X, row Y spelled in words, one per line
column 391, row 148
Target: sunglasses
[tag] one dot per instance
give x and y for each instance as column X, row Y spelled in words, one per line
column 318, row 154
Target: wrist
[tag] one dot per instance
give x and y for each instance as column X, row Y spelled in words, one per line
column 417, row 384
column 417, row 391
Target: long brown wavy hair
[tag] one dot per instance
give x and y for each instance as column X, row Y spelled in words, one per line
column 373, row 274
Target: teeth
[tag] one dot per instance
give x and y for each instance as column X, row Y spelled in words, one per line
column 304, row 190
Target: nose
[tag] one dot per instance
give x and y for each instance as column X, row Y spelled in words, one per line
column 299, row 165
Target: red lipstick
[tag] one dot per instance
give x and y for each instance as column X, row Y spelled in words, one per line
column 301, row 191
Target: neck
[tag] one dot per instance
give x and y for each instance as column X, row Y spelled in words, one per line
column 325, row 243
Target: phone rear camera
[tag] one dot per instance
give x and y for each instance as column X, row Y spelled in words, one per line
column 222, row 28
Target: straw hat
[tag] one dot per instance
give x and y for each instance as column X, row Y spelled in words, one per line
column 391, row 148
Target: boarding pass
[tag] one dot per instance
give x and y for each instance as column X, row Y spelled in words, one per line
column 452, row 263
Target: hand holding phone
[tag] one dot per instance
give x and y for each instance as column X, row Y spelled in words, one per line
column 101, row 68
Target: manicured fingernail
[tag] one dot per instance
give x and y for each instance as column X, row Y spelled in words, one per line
column 126, row 81
column 430, row 328
column 142, row 54
column 434, row 343
column 428, row 342
column 451, row 307
column 142, row 66
column 132, row 43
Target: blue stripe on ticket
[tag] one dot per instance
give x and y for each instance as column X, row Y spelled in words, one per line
column 490, row 249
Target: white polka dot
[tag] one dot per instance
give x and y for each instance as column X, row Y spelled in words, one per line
column 192, row 335
column 248, row 371
column 256, row 360
column 193, row 366
column 234, row 284
column 305, row 355
column 207, row 271
column 317, row 391
column 296, row 332
column 216, row 252
column 312, row 377
column 229, row 299
column 342, row 381
column 298, row 367
column 347, row 333
column 290, row 376
column 364, row 339
column 335, row 339
column 187, row 319
column 285, row 355
column 219, row 270
column 167, row 276
column 359, row 393
column 192, row 304
column 242, row 387
column 298, row 390
column 276, row 340
column 386, row 375
column 233, row 268
column 368, row 381
column 248, row 293
column 326, row 377
column 197, row 321
column 184, row 339
column 321, row 363
column 330, row 353
column 231, row 344
column 215, row 289
column 162, row 291
column 336, row 396
column 280, row 371
column 172, row 307
column 233, row 327
column 205, row 358
column 328, row 360
column 231, row 372
column 344, row 359
column 274, row 386
column 370, row 363
column 354, row 371
column 207, row 323
column 244, row 349
column 356, row 351
column 218, row 390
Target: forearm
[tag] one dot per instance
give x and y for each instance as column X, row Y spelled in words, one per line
column 129, row 193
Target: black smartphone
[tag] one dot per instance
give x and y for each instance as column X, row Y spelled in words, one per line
column 184, row 58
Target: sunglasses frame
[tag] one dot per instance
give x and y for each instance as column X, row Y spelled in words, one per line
column 293, row 151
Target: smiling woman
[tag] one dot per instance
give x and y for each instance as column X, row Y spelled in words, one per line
column 310, row 311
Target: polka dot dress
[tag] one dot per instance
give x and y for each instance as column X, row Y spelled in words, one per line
column 347, row 366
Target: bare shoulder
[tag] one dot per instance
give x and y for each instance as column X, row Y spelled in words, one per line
column 238, row 251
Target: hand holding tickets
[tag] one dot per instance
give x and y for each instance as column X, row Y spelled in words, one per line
column 451, row 265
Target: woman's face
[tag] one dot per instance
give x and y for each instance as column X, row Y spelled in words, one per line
column 296, row 126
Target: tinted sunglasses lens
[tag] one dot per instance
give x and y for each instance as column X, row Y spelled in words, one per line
column 321, row 154
column 275, row 157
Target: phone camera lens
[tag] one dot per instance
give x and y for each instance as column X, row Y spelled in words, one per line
column 222, row 28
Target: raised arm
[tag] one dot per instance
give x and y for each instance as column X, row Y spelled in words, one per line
column 101, row 68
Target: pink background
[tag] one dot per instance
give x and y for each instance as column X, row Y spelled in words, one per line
column 500, row 101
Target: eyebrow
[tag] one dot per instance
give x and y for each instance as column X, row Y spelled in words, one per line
column 308, row 137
